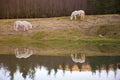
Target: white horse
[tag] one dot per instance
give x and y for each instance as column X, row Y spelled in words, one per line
column 76, row 13
column 23, row 54
column 78, row 58
column 24, row 24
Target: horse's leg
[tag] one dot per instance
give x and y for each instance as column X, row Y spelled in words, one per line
column 16, row 51
column 30, row 26
column 27, row 27
column 71, row 18
column 75, row 17
column 83, row 16
column 24, row 28
column 16, row 27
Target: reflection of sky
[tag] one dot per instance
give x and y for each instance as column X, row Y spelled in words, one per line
column 4, row 74
column 42, row 74
column 18, row 75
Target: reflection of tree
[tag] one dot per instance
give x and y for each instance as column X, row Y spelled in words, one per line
column 25, row 53
column 103, row 67
column 75, row 68
column 36, row 75
column 118, row 65
column 80, row 57
column 67, row 68
column 86, row 67
column 111, row 67
column 27, row 66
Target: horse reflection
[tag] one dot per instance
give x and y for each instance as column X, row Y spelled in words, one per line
column 24, row 53
column 78, row 58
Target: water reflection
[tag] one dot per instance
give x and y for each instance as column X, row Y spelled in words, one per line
column 59, row 68
column 4, row 73
column 23, row 53
column 78, row 57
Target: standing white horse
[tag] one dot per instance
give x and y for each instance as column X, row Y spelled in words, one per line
column 76, row 13
column 24, row 24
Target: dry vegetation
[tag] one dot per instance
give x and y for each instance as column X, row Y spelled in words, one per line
column 62, row 28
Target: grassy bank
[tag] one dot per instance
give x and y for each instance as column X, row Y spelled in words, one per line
column 62, row 28
column 63, row 48
column 60, row 35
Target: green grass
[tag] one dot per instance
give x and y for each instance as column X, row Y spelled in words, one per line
column 22, row 41
column 71, row 35
column 64, row 47
column 65, row 35
column 110, row 30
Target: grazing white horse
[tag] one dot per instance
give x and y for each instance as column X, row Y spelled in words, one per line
column 78, row 58
column 23, row 54
column 76, row 13
column 25, row 24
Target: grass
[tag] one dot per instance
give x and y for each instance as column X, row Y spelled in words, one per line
column 21, row 41
column 59, row 35
column 110, row 30
column 90, row 47
column 66, row 34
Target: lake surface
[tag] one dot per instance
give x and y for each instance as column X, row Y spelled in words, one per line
column 63, row 61
column 72, row 67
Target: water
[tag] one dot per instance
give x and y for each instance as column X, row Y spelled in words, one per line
column 64, row 61
column 72, row 67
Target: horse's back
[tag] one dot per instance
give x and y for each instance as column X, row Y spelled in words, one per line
column 74, row 12
column 81, row 11
column 20, row 23
column 27, row 23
